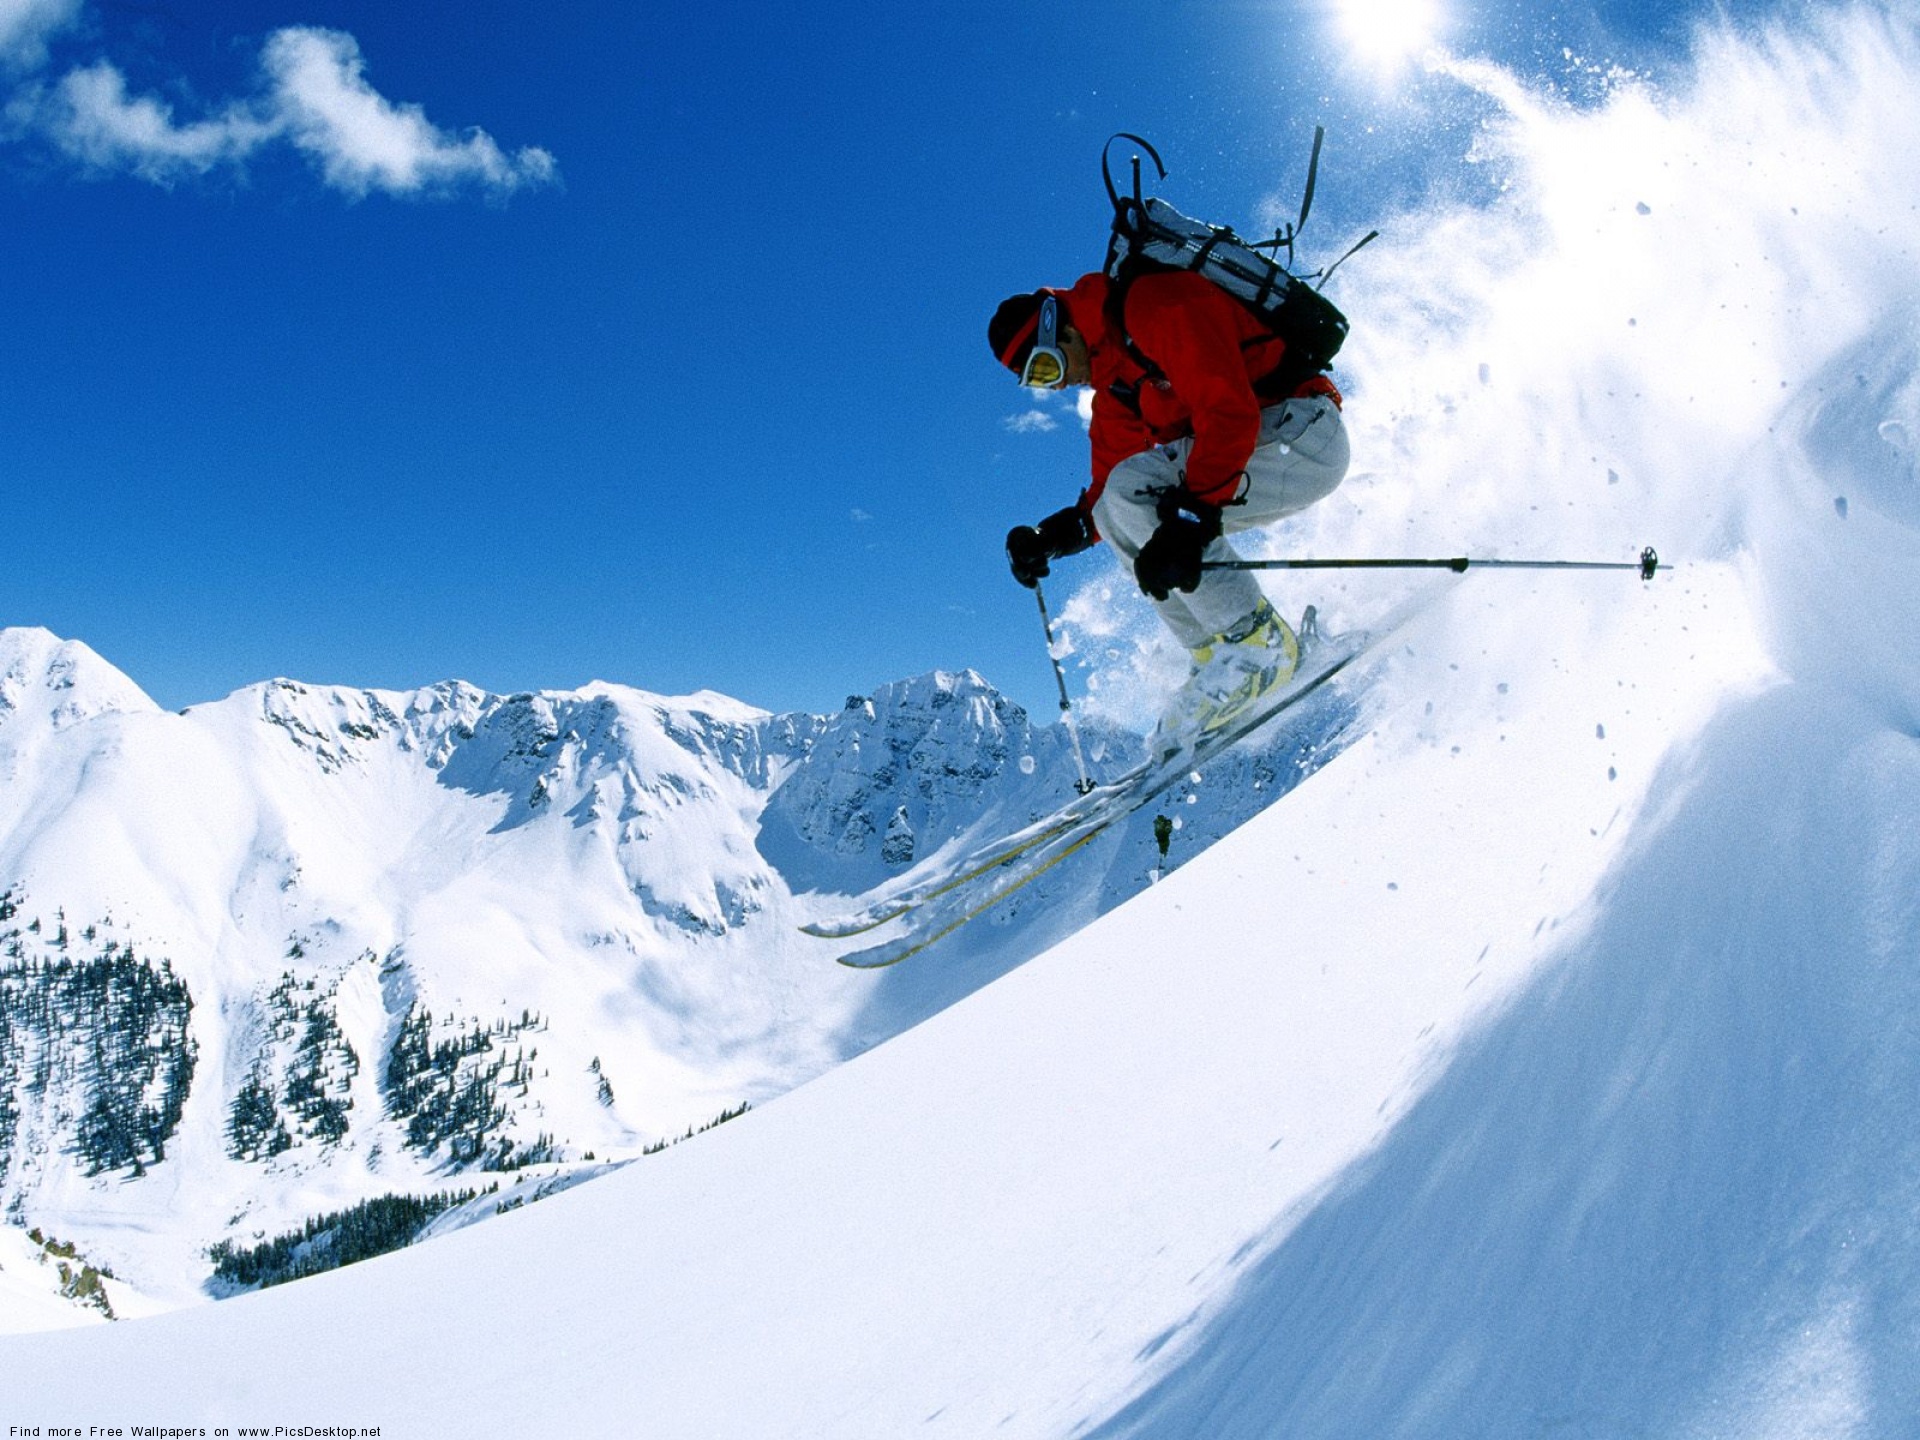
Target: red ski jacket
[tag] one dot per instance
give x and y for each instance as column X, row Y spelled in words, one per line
column 1209, row 350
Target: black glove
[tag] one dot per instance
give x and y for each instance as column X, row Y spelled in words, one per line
column 1171, row 559
column 1031, row 547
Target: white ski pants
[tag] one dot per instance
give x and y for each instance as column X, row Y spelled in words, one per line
column 1301, row 458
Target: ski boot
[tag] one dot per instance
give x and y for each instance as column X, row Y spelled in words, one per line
column 1231, row 672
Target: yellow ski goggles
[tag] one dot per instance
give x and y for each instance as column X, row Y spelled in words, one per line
column 1046, row 367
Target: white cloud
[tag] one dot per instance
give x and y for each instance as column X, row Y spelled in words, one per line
column 93, row 119
column 1031, row 422
column 1047, row 411
column 314, row 97
column 363, row 141
column 25, row 26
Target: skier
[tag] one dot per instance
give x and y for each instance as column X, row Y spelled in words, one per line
column 1200, row 428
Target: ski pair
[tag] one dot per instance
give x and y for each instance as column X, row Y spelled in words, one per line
column 1009, row 848
column 985, row 882
column 984, row 861
column 997, row 853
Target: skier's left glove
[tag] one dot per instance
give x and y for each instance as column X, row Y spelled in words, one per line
column 1171, row 559
column 1030, row 548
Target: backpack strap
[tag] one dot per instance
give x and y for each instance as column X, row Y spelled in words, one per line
column 1127, row 392
column 1283, row 239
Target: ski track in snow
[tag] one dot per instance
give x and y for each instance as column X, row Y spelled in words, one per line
column 1542, row 1066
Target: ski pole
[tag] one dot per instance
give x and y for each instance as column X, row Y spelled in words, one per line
column 1084, row 783
column 1647, row 564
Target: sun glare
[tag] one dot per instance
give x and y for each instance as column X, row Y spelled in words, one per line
column 1385, row 34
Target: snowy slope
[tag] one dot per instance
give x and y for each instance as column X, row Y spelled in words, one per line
column 1543, row 1065
column 956, row 1239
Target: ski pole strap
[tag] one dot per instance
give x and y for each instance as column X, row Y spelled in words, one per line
column 1647, row 564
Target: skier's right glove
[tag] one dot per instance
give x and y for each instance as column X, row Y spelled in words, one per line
column 1170, row 560
column 1030, row 548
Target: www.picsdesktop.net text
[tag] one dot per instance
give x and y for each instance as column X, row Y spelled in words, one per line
column 192, row 1432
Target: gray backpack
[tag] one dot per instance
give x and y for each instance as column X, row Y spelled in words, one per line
column 1151, row 237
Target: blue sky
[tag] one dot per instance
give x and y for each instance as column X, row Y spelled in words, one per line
column 380, row 344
